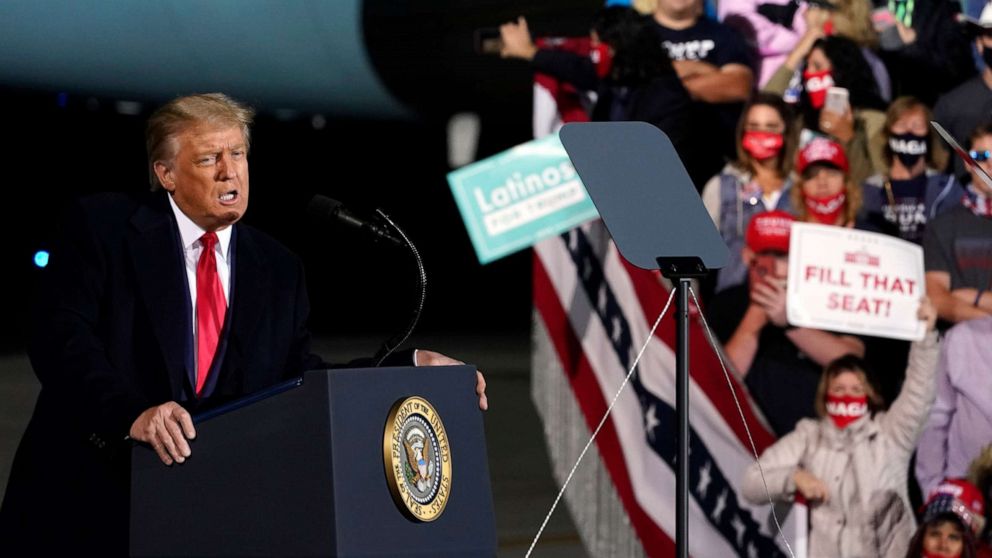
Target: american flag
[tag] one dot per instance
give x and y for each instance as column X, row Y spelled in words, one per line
column 555, row 101
column 593, row 312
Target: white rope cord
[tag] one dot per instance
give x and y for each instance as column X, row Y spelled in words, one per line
column 740, row 411
column 601, row 423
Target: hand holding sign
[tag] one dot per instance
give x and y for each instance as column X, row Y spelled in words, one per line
column 927, row 314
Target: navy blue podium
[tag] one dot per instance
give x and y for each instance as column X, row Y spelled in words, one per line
column 299, row 471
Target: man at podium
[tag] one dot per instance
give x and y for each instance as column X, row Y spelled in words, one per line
column 156, row 304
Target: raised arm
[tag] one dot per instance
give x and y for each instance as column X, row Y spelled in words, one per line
column 743, row 344
column 567, row 66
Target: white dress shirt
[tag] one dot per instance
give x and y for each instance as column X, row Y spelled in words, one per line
column 190, row 233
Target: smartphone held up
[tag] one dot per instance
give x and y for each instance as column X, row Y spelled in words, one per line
column 837, row 101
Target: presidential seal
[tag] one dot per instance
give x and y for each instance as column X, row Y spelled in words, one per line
column 417, row 459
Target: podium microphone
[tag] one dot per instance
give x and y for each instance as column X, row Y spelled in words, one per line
column 323, row 207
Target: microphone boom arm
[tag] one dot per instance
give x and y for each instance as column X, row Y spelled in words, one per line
column 395, row 341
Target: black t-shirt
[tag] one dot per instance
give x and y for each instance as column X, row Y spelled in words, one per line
column 960, row 243
column 782, row 380
column 707, row 40
column 711, row 139
column 726, row 309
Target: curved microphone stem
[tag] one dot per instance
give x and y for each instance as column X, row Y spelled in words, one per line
column 392, row 343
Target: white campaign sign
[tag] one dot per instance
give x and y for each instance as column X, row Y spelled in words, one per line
column 853, row 281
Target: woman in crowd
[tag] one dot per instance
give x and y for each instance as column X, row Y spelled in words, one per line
column 773, row 26
column 759, row 180
column 850, row 464
column 825, row 193
column 777, row 26
column 780, row 363
column 901, row 200
column 834, row 61
column 954, row 514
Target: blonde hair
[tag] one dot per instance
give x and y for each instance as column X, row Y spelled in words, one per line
column 853, row 20
column 180, row 114
column 980, row 469
column 645, row 7
column 854, row 365
column 852, row 202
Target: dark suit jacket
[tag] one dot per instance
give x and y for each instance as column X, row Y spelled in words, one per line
column 112, row 340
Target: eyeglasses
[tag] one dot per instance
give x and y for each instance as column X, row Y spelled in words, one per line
column 980, row 156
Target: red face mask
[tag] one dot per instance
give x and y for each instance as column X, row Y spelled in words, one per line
column 601, row 57
column 817, row 84
column 932, row 555
column 827, row 209
column 762, row 145
column 845, row 409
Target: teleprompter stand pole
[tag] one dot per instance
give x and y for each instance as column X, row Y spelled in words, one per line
column 657, row 220
column 680, row 272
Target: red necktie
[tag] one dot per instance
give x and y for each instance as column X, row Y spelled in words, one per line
column 210, row 309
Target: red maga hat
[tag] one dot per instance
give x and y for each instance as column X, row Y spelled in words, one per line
column 822, row 150
column 769, row 231
column 959, row 497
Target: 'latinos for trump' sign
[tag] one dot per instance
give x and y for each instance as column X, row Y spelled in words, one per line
column 511, row 200
column 854, row 281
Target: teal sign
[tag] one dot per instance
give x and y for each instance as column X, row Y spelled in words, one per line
column 516, row 198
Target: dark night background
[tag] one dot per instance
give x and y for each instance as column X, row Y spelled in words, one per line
column 60, row 143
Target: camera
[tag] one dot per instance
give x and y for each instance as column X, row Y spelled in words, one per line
column 488, row 40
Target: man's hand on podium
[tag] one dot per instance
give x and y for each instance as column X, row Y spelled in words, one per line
column 166, row 427
column 431, row 358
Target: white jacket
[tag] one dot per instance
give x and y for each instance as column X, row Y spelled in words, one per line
column 867, row 513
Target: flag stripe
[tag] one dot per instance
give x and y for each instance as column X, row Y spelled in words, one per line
column 717, row 498
column 705, row 369
column 715, row 502
column 591, row 401
column 593, row 306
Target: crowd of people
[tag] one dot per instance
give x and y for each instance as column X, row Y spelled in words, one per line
column 819, row 111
